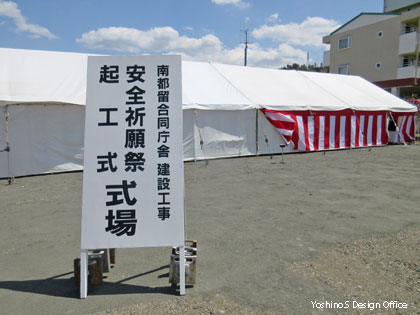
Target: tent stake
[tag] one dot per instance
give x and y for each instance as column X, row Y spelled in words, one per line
column 282, row 153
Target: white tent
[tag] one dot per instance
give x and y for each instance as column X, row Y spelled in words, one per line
column 42, row 97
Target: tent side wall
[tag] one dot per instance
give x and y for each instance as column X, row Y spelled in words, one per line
column 43, row 139
column 329, row 130
column 224, row 133
column 269, row 139
column 50, row 138
column 189, row 139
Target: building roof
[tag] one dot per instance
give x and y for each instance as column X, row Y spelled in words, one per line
column 364, row 14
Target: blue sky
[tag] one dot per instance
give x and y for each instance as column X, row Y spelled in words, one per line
column 281, row 31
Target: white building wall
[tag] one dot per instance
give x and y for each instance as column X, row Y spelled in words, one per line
column 407, row 43
column 392, row 5
column 326, row 58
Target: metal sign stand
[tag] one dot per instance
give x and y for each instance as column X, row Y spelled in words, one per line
column 182, row 270
column 84, row 261
column 83, row 273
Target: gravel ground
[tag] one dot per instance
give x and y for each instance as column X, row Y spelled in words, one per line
column 374, row 269
column 273, row 238
column 214, row 304
column 370, row 272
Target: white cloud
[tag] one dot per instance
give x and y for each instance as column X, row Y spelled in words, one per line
column 273, row 18
column 166, row 40
column 10, row 9
column 257, row 56
column 275, row 57
column 237, row 3
column 307, row 33
column 157, row 40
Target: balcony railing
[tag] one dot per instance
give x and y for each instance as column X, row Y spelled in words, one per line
column 408, row 30
column 408, row 63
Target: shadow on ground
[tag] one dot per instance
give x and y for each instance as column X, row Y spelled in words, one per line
column 65, row 287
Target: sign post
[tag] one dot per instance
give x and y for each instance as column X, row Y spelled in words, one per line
column 133, row 181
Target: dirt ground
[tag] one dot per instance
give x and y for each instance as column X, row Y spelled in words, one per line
column 323, row 233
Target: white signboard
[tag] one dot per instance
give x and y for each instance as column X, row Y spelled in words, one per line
column 133, row 181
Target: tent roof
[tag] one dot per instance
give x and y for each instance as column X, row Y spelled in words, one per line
column 359, row 93
column 302, row 90
column 280, row 89
column 203, row 87
column 30, row 76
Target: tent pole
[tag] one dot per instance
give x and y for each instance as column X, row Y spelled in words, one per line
column 417, row 54
column 256, row 132
column 7, row 149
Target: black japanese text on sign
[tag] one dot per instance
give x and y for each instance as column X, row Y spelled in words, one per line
column 122, row 219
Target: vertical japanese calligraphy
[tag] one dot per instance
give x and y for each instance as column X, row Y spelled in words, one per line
column 124, row 223
column 164, row 191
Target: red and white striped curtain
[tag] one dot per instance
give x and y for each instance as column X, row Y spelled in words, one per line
column 323, row 130
column 406, row 126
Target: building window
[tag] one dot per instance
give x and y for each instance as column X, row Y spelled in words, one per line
column 380, row 34
column 378, row 65
column 344, row 43
column 344, row 69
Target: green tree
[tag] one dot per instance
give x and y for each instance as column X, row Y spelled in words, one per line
column 312, row 67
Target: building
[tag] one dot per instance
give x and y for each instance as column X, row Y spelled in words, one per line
column 381, row 47
column 399, row 5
